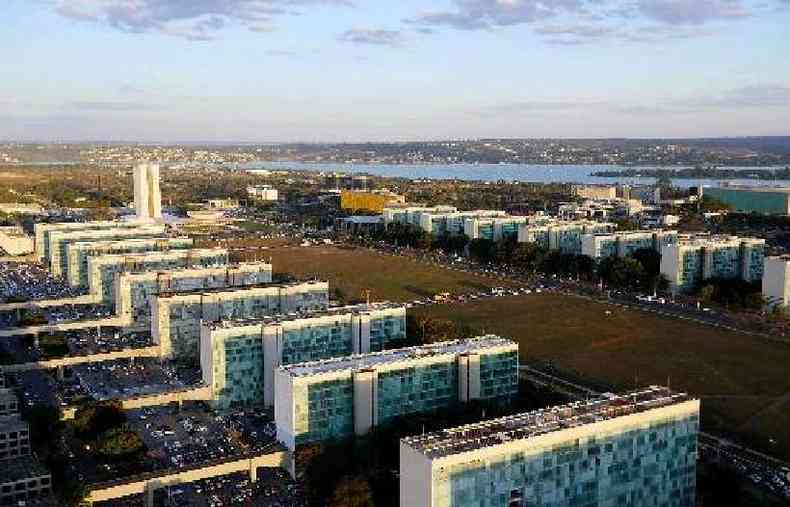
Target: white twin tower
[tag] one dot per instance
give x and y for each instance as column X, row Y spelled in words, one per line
column 147, row 198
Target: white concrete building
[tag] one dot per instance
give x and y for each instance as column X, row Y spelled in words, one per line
column 340, row 397
column 263, row 192
column 638, row 448
column 694, row 259
column 176, row 318
column 776, row 281
column 15, row 242
column 625, row 243
column 287, row 339
column 147, row 196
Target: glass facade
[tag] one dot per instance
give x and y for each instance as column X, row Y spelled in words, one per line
column 419, row 388
column 691, row 261
column 243, row 370
column 107, row 268
column 646, row 467
column 78, row 253
column 313, row 342
column 750, row 201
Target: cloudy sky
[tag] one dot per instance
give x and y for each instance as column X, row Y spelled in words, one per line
column 351, row 70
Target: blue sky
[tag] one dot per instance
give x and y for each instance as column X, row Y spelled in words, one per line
column 358, row 70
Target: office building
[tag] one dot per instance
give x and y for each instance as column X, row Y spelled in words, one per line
column 134, row 292
column 638, row 448
column 263, row 192
column 102, row 270
column 340, row 397
column 176, row 317
column 23, row 481
column 42, row 232
column 14, row 241
column 78, row 253
column 9, row 404
column 563, row 236
column 374, row 201
column 766, row 200
column 494, row 229
column 776, row 281
column 452, row 224
column 410, row 215
column 595, row 191
column 14, row 437
column 147, row 196
column 238, row 358
column 625, row 243
column 694, row 259
column 59, row 241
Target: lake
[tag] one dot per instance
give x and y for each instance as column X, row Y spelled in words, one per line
column 499, row 172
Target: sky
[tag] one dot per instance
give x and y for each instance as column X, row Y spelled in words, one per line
column 392, row 70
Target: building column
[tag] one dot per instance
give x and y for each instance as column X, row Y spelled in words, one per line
column 468, row 377
column 365, row 400
column 272, row 337
column 360, row 334
column 253, row 471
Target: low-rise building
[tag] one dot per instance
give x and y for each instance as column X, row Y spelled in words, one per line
column 374, row 201
column 238, row 358
column 14, row 241
column 340, row 397
column 750, row 199
column 638, row 448
column 694, row 259
column 263, row 192
column 360, row 225
column 176, row 317
column 776, row 281
column 595, row 191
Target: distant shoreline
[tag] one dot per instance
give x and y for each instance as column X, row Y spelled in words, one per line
column 700, row 173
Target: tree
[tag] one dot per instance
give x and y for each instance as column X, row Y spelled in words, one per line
column 95, row 418
column 119, row 442
column 482, row 250
column 352, row 492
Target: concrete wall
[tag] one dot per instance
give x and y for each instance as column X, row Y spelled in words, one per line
column 149, row 483
column 776, row 281
column 75, row 360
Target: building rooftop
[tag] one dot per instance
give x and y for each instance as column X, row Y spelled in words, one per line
column 377, row 359
column 22, row 467
column 161, row 254
column 243, row 288
column 329, row 312
column 751, row 188
column 245, row 267
column 540, row 422
column 712, row 240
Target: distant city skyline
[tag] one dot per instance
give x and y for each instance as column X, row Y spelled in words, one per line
column 359, row 70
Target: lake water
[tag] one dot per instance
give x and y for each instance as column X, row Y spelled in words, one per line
column 500, row 172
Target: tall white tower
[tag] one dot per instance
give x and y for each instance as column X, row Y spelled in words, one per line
column 147, row 197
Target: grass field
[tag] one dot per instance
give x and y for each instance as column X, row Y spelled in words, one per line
column 744, row 382
column 389, row 278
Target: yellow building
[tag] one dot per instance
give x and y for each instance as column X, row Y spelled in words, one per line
column 373, row 201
